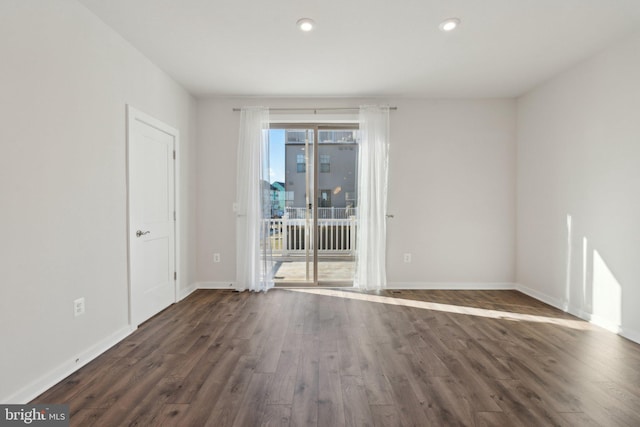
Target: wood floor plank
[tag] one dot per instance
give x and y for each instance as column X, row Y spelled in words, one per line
column 304, row 410
column 172, row 414
column 622, row 394
column 355, row 403
column 410, row 408
column 607, row 408
column 408, row 399
column 520, row 401
column 79, row 381
column 275, row 338
column 217, row 359
column 93, row 394
column 484, row 363
column 344, row 357
column 209, row 390
column 148, row 409
column 282, row 386
column 126, row 401
column 195, row 355
column 253, row 407
column 276, row 416
column 375, row 382
column 331, row 402
column 296, row 322
column 555, row 387
column 348, row 356
column 385, row 416
column 583, row 420
column 332, row 326
column 87, row 416
column 229, row 403
column 480, row 392
column 493, row 419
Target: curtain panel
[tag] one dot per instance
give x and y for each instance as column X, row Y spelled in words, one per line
column 254, row 266
column 373, row 165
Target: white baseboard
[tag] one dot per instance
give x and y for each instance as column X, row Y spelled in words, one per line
column 557, row 303
column 541, row 297
column 602, row 322
column 215, row 285
column 630, row 334
column 584, row 315
column 39, row 386
column 451, row 285
column 185, row 292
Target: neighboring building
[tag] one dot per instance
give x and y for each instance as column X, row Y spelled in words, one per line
column 338, row 154
column 278, row 197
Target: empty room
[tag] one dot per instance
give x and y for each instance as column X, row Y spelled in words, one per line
column 245, row 213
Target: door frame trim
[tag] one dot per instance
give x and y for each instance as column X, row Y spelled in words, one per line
column 316, row 127
column 133, row 114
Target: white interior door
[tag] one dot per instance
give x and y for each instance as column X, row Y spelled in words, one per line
column 151, row 216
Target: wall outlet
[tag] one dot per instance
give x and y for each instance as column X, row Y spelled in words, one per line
column 407, row 258
column 216, row 257
column 78, row 307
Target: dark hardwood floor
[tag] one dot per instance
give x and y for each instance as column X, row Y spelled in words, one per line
column 332, row 358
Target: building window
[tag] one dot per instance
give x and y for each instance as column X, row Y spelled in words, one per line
column 300, row 163
column 325, row 163
column 296, row 136
column 325, row 198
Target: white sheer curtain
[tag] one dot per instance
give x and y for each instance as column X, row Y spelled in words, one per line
column 373, row 164
column 253, row 251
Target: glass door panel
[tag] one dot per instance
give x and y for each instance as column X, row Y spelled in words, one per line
column 337, row 204
column 292, row 214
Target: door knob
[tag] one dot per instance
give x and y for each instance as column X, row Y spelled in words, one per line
column 141, row 233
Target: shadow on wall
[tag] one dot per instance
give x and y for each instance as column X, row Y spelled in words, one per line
column 599, row 291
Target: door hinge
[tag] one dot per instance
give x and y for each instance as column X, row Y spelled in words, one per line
column 175, row 275
column 174, row 154
column 174, row 215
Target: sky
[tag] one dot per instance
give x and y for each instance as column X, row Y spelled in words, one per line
column 276, row 155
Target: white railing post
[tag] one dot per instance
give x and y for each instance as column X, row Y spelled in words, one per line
column 352, row 234
column 267, row 225
column 279, row 231
column 284, row 233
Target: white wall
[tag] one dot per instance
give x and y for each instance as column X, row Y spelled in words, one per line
column 65, row 79
column 578, row 151
column 452, row 189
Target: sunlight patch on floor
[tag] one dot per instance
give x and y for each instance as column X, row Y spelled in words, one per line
column 448, row 308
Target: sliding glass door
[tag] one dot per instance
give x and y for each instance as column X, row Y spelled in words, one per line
column 313, row 203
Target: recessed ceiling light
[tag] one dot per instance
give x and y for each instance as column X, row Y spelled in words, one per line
column 305, row 24
column 449, row 24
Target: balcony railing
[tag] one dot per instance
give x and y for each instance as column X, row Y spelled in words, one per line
column 335, row 236
column 323, row 213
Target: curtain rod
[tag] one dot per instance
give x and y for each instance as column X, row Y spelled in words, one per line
column 315, row 109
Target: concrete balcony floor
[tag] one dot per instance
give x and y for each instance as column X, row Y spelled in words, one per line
column 294, row 269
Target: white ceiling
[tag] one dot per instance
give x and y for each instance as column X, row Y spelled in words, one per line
column 367, row 47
